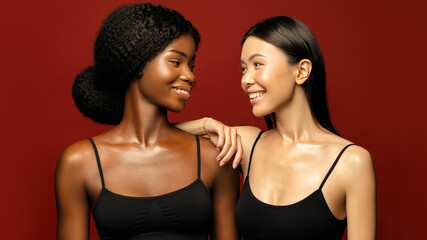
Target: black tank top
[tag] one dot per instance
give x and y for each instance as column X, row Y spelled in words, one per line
column 309, row 218
column 182, row 214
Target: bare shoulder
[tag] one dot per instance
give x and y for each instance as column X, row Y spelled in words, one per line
column 248, row 135
column 357, row 156
column 354, row 156
column 247, row 131
column 211, row 171
column 357, row 164
column 209, row 155
column 74, row 167
column 75, row 157
column 209, row 152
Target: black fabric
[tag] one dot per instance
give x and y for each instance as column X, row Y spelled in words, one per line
column 182, row 214
column 309, row 218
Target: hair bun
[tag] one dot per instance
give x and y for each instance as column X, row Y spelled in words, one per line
column 98, row 104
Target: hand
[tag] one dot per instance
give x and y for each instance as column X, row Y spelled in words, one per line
column 226, row 139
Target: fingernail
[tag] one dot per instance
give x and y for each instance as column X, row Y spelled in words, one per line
column 218, row 158
column 221, row 164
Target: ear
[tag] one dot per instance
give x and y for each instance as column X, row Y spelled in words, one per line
column 304, row 70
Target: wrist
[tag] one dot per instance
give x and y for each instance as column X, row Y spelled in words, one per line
column 204, row 122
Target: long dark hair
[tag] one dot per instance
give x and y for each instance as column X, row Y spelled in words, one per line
column 129, row 38
column 298, row 42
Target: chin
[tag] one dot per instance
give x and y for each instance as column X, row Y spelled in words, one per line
column 177, row 108
column 259, row 112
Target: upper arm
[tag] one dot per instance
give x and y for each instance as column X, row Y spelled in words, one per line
column 223, row 184
column 225, row 193
column 360, row 195
column 71, row 198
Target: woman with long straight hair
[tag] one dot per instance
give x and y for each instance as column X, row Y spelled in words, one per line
column 302, row 180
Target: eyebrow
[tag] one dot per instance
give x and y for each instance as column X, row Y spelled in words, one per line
column 252, row 57
column 179, row 52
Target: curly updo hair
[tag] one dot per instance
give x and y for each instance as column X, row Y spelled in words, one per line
column 130, row 37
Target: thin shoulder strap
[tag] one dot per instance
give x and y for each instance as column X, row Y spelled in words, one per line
column 333, row 165
column 252, row 151
column 98, row 162
column 198, row 156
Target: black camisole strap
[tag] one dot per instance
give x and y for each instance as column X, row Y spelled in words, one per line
column 198, row 156
column 333, row 165
column 98, row 162
column 252, row 151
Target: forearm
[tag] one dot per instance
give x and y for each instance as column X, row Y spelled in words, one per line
column 225, row 138
column 196, row 127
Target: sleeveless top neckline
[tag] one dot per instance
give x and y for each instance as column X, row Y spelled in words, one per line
column 309, row 218
column 157, row 196
column 185, row 213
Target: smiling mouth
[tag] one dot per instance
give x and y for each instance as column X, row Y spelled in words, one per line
column 256, row 95
column 181, row 91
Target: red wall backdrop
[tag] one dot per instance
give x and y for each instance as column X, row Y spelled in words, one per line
column 375, row 58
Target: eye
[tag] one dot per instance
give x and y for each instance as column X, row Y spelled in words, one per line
column 257, row 64
column 243, row 69
column 175, row 62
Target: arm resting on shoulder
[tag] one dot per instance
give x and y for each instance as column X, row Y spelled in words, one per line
column 196, row 127
column 225, row 138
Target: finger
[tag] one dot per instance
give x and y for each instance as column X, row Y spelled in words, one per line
column 232, row 149
column 239, row 153
column 227, row 143
column 220, row 132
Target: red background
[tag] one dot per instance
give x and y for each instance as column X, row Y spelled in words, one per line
column 375, row 59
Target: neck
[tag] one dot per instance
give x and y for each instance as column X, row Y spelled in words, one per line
column 294, row 121
column 143, row 122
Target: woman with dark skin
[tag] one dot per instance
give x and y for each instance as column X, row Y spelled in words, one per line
column 143, row 179
column 302, row 179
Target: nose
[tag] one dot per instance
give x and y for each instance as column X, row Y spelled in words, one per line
column 247, row 80
column 188, row 76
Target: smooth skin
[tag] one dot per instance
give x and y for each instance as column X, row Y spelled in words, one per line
column 290, row 161
column 144, row 152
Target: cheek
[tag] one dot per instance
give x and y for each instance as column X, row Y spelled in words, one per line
column 278, row 79
column 264, row 78
column 162, row 72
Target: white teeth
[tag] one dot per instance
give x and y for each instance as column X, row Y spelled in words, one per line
column 182, row 91
column 255, row 95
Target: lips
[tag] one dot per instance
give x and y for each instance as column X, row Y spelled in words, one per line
column 255, row 96
column 182, row 91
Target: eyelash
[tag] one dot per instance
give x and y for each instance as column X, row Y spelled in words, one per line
column 177, row 63
column 256, row 65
